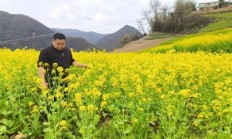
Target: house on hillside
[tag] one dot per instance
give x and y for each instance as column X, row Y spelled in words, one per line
column 212, row 5
column 208, row 5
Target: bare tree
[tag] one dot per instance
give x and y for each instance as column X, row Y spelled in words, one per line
column 180, row 19
column 164, row 13
column 155, row 7
column 183, row 8
column 146, row 16
column 141, row 27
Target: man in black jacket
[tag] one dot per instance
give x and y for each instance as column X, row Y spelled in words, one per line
column 55, row 60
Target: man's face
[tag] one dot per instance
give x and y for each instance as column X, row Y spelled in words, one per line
column 59, row 44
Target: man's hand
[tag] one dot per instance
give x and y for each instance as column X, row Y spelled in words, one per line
column 41, row 72
column 77, row 64
column 84, row 66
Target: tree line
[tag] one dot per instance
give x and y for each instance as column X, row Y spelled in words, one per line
column 181, row 18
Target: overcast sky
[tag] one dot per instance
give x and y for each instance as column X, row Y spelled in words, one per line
column 102, row 16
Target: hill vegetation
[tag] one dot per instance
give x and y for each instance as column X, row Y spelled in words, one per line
column 180, row 20
column 184, row 17
column 221, row 20
column 213, row 37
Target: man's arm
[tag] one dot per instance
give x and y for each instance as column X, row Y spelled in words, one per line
column 77, row 64
column 42, row 77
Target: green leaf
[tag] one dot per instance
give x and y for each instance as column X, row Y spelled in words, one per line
column 47, row 130
column 45, row 123
column 6, row 122
column 120, row 122
column 128, row 130
column 116, row 125
column 15, row 126
column 5, row 112
column 2, row 129
column 49, row 136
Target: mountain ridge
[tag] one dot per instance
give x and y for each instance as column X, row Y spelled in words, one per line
column 18, row 31
column 116, row 40
column 92, row 37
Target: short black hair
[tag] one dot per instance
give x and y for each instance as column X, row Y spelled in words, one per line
column 59, row 36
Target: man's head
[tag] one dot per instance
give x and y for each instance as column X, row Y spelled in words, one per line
column 58, row 41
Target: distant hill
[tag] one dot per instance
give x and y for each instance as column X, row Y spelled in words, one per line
column 18, row 31
column 18, row 26
column 119, row 38
column 91, row 37
column 79, row 44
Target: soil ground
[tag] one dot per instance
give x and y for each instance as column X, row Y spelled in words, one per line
column 141, row 44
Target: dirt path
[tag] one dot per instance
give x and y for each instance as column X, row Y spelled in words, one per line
column 141, row 44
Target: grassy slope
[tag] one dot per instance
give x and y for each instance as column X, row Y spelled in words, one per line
column 223, row 21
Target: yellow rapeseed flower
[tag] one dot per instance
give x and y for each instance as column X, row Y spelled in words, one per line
column 135, row 120
column 185, row 93
column 63, row 123
column 59, row 95
column 78, row 98
column 91, row 108
column 82, row 108
column 103, row 104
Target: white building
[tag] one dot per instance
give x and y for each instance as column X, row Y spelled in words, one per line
column 211, row 5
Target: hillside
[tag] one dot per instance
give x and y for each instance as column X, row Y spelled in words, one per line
column 222, row 20
column 91, row 37
column 18, row 31
column 216, row 41
column 79, row 44
column 116, row 40
column 141, row 44
column 215, row 37
column 18, row 26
